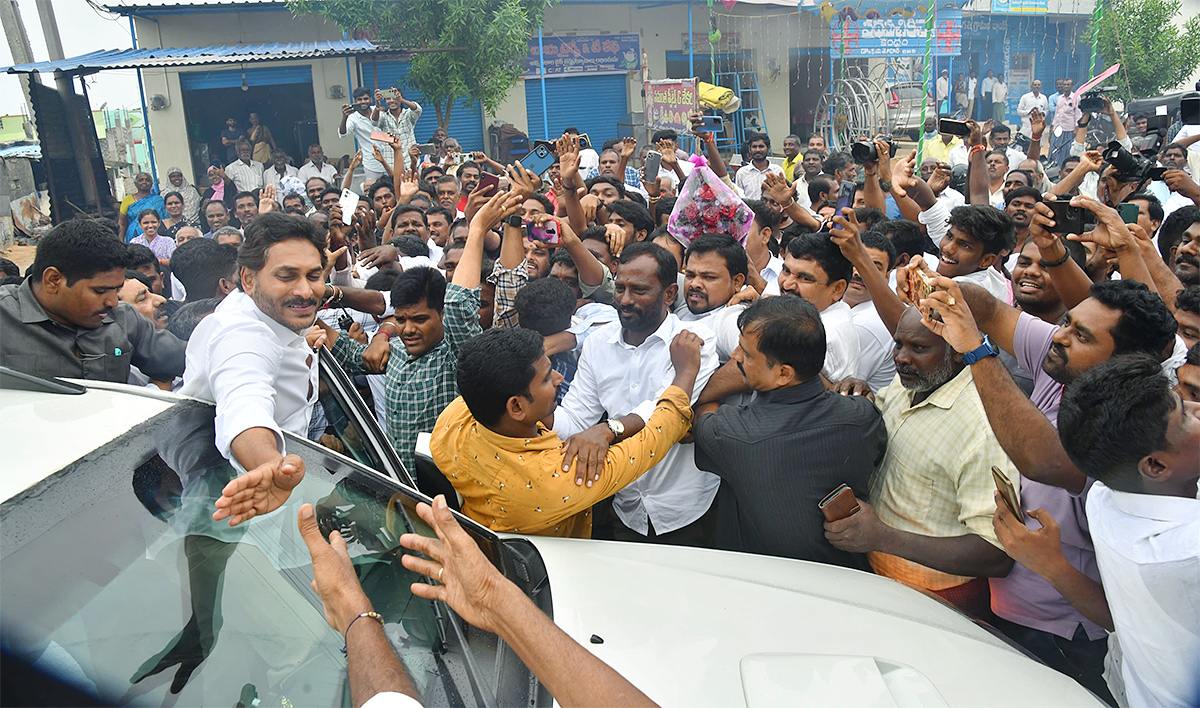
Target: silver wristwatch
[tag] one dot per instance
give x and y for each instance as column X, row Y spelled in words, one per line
column 617, row 428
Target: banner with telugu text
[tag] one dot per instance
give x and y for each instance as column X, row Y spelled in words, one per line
column 584, row 54
column 669, row 103
column 895, row 36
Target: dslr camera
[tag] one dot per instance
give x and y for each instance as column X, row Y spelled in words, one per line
column 1093, row 101
column 1132, row 167
column 864, row 151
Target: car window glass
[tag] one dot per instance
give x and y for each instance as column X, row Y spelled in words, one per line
column 115, row 577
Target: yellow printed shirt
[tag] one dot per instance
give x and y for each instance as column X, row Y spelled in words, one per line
column 936, row 478
column 789, row 166
column 518, row 485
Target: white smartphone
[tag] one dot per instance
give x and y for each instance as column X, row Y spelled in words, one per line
column 653, row 163
column 348, row 202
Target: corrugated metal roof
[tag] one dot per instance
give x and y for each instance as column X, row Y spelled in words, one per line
column 33, row 152
column 128, row 6
column 195, row 56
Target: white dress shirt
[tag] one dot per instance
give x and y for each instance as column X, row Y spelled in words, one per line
column 771, row 273
column 309, row 170
column 247, row 177
column 616, row 378
column 360, row 127
column 271, row 176
column 1148, row 550
column 951, row 198
column 875, row 345
column 841, row 342
column 1026, row 105
column 722, row 321
column 749, row 179
column 254, row 369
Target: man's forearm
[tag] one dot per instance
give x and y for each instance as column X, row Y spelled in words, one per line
column 1084, row 594
column 725, row 382
column 1165, row 282
column 369, row 301
column 1024, row 433
column 968, row 555
column 1072, row 282
column 255, row 446
column 978, row 188
column 873, row 193
column 590, row 269
column 372, row 665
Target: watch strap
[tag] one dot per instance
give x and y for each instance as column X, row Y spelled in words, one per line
column 981, row 352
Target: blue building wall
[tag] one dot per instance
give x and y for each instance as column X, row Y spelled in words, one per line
column 1059, row 47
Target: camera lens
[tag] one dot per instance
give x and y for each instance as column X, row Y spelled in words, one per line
column 863, row 152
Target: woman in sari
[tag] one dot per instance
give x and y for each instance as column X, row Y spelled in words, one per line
column 260, row 139
column 176, row 182
column 146, row 198
column 175, row 217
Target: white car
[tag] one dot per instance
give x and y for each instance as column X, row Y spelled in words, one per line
column 115, row 581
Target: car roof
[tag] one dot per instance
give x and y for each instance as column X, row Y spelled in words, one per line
column 45, row 432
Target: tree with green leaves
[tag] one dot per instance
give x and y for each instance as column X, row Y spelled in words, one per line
column 484, row 42
column 1155, row 54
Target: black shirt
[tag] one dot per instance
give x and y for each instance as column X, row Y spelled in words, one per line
column 779, row 456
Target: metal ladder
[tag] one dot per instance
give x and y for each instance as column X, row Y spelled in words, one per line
column 747, row 119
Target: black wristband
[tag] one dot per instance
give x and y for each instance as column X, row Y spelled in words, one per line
column 1060, row 261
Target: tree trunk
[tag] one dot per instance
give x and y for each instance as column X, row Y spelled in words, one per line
column 443, row 114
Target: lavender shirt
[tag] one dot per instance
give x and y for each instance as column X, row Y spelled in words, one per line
column 161, row 246
column 1024, row 597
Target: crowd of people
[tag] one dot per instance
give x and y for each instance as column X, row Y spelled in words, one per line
column 919, row 333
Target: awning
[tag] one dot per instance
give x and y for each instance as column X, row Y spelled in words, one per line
column 196, row 56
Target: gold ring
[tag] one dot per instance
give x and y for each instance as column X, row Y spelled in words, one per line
column 442, row 570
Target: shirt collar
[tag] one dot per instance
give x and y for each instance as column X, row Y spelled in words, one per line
column 240, row 300
column 946, row 394
column 799, row 393
column 663, row 332
column 1157, row 507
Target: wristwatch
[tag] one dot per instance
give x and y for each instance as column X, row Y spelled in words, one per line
column 515, row 221
column 617, row 428
column 982, row 352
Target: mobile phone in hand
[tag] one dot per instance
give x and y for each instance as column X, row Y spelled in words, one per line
column 348, row 202
column 486, row 180
column 950, row 126
column 653, row 164
column 380, row 136
column 1007, row 493
column 1069, row 219
column 546, row 233
column 839, row 504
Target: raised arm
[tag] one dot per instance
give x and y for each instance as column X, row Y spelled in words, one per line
column 1071, row 282
column 499, row 207
column 978, row 189
column 846, row 235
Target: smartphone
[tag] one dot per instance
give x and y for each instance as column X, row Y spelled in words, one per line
column 919, row 288
column 653, row 163
column 1008, row 493
column 486, row 180
column 846, row 196
column 388, row 93
column 1129, row 212
column 1068, row 219
column 839, row 504
column 546, row 233
column 1189, row 109
column 539, row 159
column 712, row 124
column 380, row 136
column 427, row 148
column 585, row 142
column 953, row 127
column 348, row 202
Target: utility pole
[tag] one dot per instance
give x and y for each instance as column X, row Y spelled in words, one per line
column 80, row 143
column 18, row 44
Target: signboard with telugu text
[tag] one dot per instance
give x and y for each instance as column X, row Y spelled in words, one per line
column 669, row 103
column 896, row 36
column 1019, row 7
column 584, row 54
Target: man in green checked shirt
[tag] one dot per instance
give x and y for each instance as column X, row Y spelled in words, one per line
column 417, row 347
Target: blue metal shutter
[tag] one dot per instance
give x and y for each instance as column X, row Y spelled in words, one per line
column 255, row 76
column 466, row 120
column 594, row 104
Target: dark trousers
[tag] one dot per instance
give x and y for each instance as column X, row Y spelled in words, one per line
column 699, row 533
column 1078, row 657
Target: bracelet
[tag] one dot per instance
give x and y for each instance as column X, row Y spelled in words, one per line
column 1060, row 261
column 1036, row 137
column 386, row 333
column 787, row 206
column 372, row 614
column 337, row 296
column 978, row 148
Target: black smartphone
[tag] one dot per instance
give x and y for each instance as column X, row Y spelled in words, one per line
column 1189, row 109
column 846, row 196
column 1068, row 219
column 949, row 126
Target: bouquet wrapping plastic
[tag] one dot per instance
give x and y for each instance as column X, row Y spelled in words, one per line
column 707, row 205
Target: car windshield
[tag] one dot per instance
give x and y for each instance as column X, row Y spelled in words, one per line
column 115, row 579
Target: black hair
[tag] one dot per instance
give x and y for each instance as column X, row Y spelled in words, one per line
column 293, row 195
column 147, row 212
column 542, row 199
column 1193, row 355
column 736, row 261
column 138, row 276
column 994, row 229
column 1075, row 250
column 168, row 195
column 1001, row 152
column 430, row 169
column 665, row 134
column 272, row 228
column 184, row 320
column 572, row 130
column 789, row 232
column 545, row 305
column 446, row 179
column 1000, row 129
column 814, row 151
column 470, row 163
column 330, row 190
column 323, row 181
column 439, row 210
column 635, row 214
column 597, row 233
column 789, row 332
column 1146, row 324
column 137, row 255
column 633, row 197
column 820, row 248
column 753, row 137
column 382, row 280
column 408, row 208
column 410, row 246
column 109, row 224
column 837, row 161
column 605, row 179
column 1022, row 192
column 360, row 91
column 908, row 237
column 79, row 248
column 495, row 366
column 1188, row 299
column 560, row 256
column 870, row 217
column 378, row 185
column 819, row 185
column 8, row 267
column 1026, row 173
column 666, row 205
column 421, row 284
column 243, row 195
column 1113, row 416
column 876, row 240
column 667, row 267
column 763, row 214
column 1171, row 231
column 1155, row 207
column 201, row 263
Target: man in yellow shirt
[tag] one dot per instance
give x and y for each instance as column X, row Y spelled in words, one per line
column 509, row 468
column 792, row 157
column 935, row 144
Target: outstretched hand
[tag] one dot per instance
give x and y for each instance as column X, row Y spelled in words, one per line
column 260, row 491
column 334, row 579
